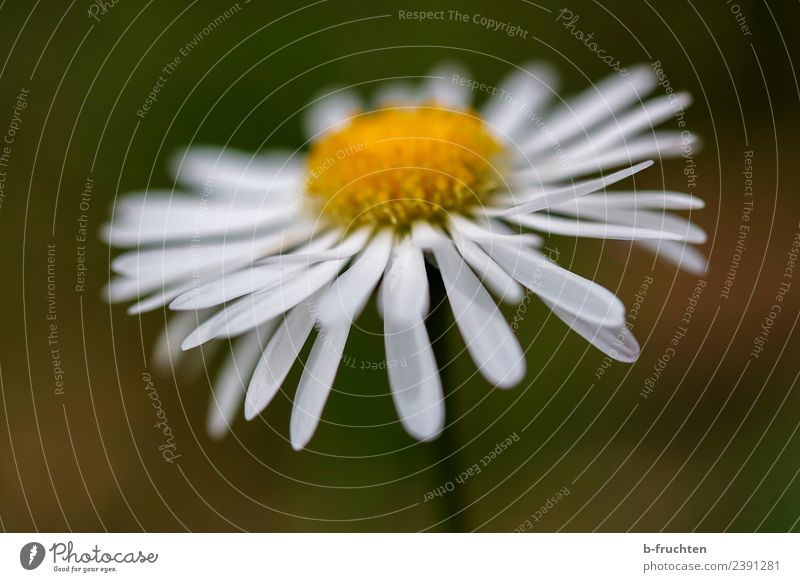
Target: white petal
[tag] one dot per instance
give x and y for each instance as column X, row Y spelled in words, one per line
column 544, row 198
column 489, row 232
column 227, row 171
column 489, row 272
column 489, row 339
column 351, row 245
column 255, row 309
column 157, row 269
column 615, row 341
column 278, row 358
column 519, row 95
column 407, row 283
column 229, row 386
column 661, row 144
column 346, row 297
column 644, row 199
column 582, row 228
column 610, row 96
column 252, row 278
column 679, row 253
column 160, row 220
column 649, row 219
column 331, row 110
column 158, row 299
column 570, row 292
column 643, row 118
column 413, row 374
column 443, row 87
column 173, row 262
column 234, row 285
column 316, row 382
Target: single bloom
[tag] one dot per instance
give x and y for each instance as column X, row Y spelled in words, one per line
column 264, row 251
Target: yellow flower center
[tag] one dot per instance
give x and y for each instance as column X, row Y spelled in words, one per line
column 396, row 166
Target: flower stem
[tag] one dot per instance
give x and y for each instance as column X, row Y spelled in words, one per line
column 446, row 446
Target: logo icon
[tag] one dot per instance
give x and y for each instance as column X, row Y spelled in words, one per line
column 31, row 555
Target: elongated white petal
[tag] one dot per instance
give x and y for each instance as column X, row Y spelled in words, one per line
column 351, row 245
column 258, row 277
column 413, row 374
column 315, row 383
column 606, row 98
column 541, row 199
column 489, row 339
column 489, row 232
column 518, row 96
column 255, row 309
column 642, row 199
column 172, row 262
column 407, row 282
column 414, row 379
column 229, row 386
column 582, row 228
column 569, row 291
column 630, row 124
column 234, row 285
column 222, row 172
column 278, row 358
column 616, row 342
column 442, row 86
column 671, row 223
column 331, row 111
column 346, row 297
column 158, row 299
column 662, row 144
column 182, row 218
column 489, row 272
column 682, row 254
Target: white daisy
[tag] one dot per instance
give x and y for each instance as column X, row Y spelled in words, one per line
column 275, row 247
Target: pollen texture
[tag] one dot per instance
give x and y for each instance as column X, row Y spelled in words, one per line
column 399, row 165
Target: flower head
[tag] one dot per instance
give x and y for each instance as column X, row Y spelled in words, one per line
column 272, row 248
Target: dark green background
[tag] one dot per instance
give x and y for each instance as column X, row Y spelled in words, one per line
column 714, row 448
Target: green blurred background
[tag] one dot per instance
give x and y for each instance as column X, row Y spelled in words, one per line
column 713, row 448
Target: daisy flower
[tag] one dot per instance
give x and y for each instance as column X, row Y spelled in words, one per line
column 265, row 251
